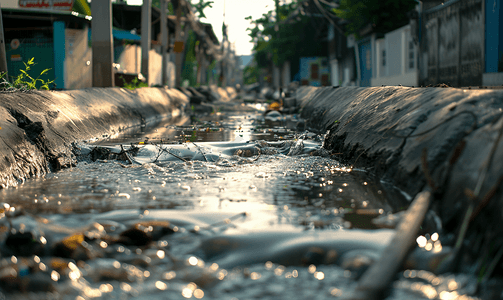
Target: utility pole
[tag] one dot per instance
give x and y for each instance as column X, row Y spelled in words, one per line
column 164, row 40
column 145, row 36
column 3, row 55
column 225, row 53
column 277, row 69
column 102, row 44
column 178, row 47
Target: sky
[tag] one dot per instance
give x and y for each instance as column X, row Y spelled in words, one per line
column 235, row 13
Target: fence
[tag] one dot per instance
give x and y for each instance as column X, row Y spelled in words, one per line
column 452, row 44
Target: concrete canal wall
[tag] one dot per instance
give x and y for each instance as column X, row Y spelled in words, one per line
column 444, row 138
column 447, row 139
column 38, row 127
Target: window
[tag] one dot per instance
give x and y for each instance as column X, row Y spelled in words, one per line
column 411, row 55
column 383, row 57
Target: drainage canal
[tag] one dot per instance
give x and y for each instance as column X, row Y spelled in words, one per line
column 226, row 205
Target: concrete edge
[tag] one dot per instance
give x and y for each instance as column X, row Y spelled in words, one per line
column 446, row 139
column 38, row 127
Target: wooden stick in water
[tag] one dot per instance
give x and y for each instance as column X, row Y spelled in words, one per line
column 380, row 275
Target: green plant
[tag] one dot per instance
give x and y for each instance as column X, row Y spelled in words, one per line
column 251, row 74
column 4, row 84
column 296, row 36
column 134, row 84
column 24, row 81
column 381, row 16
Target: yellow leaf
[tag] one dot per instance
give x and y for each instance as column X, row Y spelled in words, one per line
column 58, row 263
column 73, row 241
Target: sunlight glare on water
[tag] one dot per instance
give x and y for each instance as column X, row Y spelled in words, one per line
column 205, row 211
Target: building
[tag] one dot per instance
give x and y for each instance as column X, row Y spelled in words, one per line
column 461, row 43
column 452, row 41
column 456, row 42
column 394, row 59
column 58, row 40
column 341, row 56
column 493, row 54
column 61, row 40
column 126, row 21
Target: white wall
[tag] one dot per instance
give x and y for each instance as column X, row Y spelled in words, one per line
column 492, row 79
column 398, row 64
column 130, row 62
column 78, row 56
column 334, row 72
column 286, row 74
column 9, row 4
column 407, row 79
column 275, row 77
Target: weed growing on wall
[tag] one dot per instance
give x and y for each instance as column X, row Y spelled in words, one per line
column 24, row 81
column 135, row 83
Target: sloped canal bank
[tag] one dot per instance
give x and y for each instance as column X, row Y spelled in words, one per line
column 266, row 214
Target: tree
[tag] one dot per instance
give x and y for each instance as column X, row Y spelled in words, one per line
column 381, row 15
column 200, row 6
column 295, row 37
column 189, row 56
column 251, row 74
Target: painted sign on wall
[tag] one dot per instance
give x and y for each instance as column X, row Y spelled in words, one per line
column 64, row 5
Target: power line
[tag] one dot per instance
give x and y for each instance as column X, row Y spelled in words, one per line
column 324, row 13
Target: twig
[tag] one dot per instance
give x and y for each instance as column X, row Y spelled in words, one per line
column 126, row 154
column 489, row 195
column 200, row 151
column 470, row 210
column 377, row 278
column 158, row 154
column 227, row 221
column 167, row 151
column 129, row 158
column 493, row 264
column 259, row 153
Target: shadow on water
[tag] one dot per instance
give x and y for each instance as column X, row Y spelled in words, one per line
column 228, row 205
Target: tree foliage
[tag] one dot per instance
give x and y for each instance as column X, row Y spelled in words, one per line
column 251, row 74
column 190, row 61
column 200, row 6
column 382, row 15
column 295, row 36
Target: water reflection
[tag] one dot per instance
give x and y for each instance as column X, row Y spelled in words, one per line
column 127, row 229
column 424, row 284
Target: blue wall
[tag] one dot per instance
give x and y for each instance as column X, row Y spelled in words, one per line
column 59, row 53
column 494, row 35
column 365, row 53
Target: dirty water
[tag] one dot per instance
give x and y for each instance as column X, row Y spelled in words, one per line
column 223, row 205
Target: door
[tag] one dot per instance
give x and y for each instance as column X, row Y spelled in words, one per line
column 365, row 52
